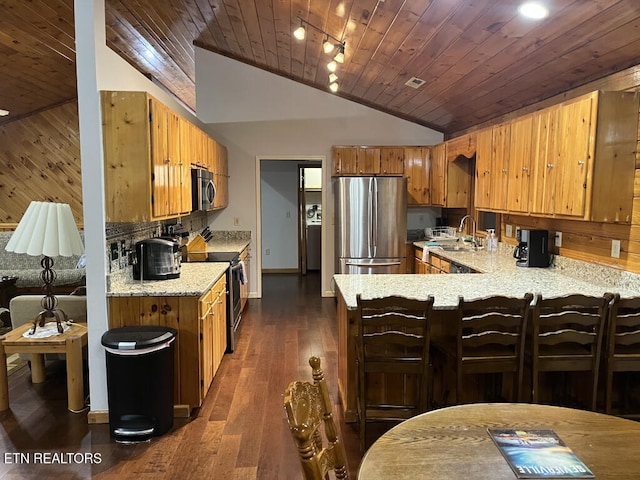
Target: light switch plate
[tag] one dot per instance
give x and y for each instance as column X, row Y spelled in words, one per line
column 558, row 239
column 615, row 248
column 508, row 230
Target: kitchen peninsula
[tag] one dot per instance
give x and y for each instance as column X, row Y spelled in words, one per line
column 500, row 277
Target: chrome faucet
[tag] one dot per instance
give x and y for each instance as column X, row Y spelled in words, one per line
column 474, row 239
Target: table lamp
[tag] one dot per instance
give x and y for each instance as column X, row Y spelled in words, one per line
column 47, row 229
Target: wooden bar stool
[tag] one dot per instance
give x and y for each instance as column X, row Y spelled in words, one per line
column 490, row 340
column 623, row 344
column 393, row 359
column 566, row 336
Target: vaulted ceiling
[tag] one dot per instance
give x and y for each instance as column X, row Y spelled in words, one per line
column 479, row 59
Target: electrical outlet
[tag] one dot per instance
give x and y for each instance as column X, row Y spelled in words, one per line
column 558, row 239
column 615, row 248
column 236, row 221
column 267, row 251
column 508, row 230
column 517, row 232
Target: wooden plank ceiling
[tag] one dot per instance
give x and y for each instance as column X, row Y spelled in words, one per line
column 479, row 58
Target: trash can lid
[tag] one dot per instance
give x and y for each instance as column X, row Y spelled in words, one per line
column 137, row 337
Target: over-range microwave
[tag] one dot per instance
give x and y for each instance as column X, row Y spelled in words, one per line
column 203, row 190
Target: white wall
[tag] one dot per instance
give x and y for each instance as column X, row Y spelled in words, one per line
column 279, row 189
column 342, row 123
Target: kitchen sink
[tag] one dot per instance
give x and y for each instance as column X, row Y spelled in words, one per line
column 457, row 248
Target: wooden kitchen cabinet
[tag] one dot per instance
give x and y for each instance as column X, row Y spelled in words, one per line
column 391, row 160
column 464, row 145
column 148, row 153
column 450, row 178
column 366, row 160
column 519, row 165
column 202, row 335
column 419, row 266
column 221, row 177
column 542, row 187
column 501, row 139
column 417, row 162
column 343, row 161
column 588, row 166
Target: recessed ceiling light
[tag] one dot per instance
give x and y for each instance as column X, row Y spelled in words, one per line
column 533, row 10
column 4, row 113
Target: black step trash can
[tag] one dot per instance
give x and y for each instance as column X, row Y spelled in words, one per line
column 140, row 369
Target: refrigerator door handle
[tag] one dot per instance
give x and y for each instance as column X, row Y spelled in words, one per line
column 370, row 207
column 377, row 264
column 374, row 225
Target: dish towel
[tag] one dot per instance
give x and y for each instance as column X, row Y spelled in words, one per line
column 425, row 254
column 243, row 273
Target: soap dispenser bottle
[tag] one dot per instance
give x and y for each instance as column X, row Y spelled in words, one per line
column 492, row 242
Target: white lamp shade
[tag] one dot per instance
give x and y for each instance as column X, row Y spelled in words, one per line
column 46, row 229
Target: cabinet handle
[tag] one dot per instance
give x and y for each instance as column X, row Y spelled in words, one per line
column 580, row 162
column 504, row 170
column 167, row 160
column 549, row 165
column 487, row 171
column 525, row 169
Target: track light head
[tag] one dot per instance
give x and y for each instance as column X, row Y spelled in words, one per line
column 327, row 46
column 339, row 56
column 332, row 66
column 299, row 32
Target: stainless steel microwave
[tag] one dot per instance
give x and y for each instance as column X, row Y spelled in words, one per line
column 203, row 190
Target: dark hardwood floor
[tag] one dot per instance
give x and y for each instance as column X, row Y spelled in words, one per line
column 240, row 432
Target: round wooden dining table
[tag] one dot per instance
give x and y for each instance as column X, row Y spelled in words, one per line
column 453, row 443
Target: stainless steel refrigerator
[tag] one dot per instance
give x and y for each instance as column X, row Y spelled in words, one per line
column 371, row 224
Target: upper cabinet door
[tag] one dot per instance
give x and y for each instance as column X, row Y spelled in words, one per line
column 417, row 171
column 391, row 160
column 544, row 133
column 368, row 160
column 519, row 169
column 576, row 124
column 483, row 168
column 160, row 158
column 500, row 166
column 343, row 160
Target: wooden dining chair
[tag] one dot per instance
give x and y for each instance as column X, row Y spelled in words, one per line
column 392, row 359
column 623, row 344
column 490, row 340
column 308, row 408
column 566, row 336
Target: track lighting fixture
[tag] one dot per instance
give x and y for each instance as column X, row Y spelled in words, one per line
column 328, row 46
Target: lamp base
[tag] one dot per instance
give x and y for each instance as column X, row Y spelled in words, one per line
column 42, row 317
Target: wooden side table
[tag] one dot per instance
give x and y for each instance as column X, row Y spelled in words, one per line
column 70, row 343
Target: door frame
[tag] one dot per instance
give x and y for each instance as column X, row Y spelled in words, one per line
column 323, row 244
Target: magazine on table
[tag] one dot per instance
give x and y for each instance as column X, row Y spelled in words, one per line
column 538, row 454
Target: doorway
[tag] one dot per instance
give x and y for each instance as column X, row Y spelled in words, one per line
column 278, row 211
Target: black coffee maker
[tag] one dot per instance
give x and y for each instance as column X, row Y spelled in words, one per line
column 532, row 249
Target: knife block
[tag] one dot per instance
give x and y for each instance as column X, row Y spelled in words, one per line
column 197, row 249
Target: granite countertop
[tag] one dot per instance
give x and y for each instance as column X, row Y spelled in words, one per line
column 195, row 279
column 500, row 277
column 227, row 244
